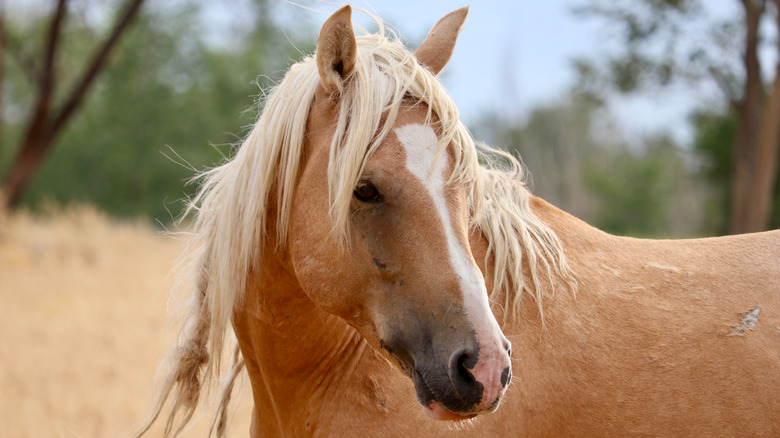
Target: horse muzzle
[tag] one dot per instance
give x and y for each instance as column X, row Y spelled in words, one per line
column 470, row 380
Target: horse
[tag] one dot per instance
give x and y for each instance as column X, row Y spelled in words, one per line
column 378, row 273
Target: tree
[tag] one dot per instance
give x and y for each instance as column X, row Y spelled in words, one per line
column 662, row 45
column 48, row 116
column 175, row 98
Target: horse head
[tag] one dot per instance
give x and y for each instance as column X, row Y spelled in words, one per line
column 390, row 254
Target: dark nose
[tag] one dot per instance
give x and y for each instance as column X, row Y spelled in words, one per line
column 469, row 390
column 460, row 363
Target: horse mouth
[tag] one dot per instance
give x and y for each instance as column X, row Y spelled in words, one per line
column 432, row 407
column 438, row 411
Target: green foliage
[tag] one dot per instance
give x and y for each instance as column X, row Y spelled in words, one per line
column 634, row 191
column 715, row 134
column 168, row 103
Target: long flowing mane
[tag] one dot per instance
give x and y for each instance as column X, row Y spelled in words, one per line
column 516, row 237
column 233, row 206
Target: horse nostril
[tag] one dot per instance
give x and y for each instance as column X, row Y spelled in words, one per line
column 462, row 362
column 506, row 375
column 508, row 347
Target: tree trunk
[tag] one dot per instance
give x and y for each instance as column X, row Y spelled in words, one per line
column 768, row 147
column 34, row 148
column 751, row 195
column 766, row 156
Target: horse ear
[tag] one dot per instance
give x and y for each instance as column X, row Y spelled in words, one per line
column 336, row 49
column 438, row 46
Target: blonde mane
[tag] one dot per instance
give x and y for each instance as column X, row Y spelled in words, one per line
column 516, row 237
column 232, row 207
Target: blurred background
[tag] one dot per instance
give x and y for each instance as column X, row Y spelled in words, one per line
column 631, row 114
column 649, row 118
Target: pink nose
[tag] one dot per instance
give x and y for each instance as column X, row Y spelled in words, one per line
column 488, row 368
column 494, row 371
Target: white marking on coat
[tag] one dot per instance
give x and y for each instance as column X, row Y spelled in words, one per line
column 749, row 320
column 422, row 149
column 426, row 163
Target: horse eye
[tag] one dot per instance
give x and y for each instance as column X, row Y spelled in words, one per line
column 367, row 192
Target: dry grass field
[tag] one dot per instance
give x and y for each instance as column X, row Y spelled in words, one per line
column 82, row 316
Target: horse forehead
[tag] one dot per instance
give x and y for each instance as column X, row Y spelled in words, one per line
column 421, row 145
column 413, row 152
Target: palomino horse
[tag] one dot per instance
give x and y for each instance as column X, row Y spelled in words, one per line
column 353, row 239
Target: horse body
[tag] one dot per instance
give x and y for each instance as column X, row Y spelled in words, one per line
column 363, row 258
column 647, row 347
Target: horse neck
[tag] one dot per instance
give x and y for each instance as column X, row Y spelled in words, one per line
column 293, row 351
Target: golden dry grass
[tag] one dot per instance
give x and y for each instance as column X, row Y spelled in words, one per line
column 82, row 315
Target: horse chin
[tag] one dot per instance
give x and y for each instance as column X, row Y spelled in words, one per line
column 432, row 407
column 437, row 411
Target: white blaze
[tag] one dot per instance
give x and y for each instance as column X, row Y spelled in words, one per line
column 422, row 147
column 422, row 150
